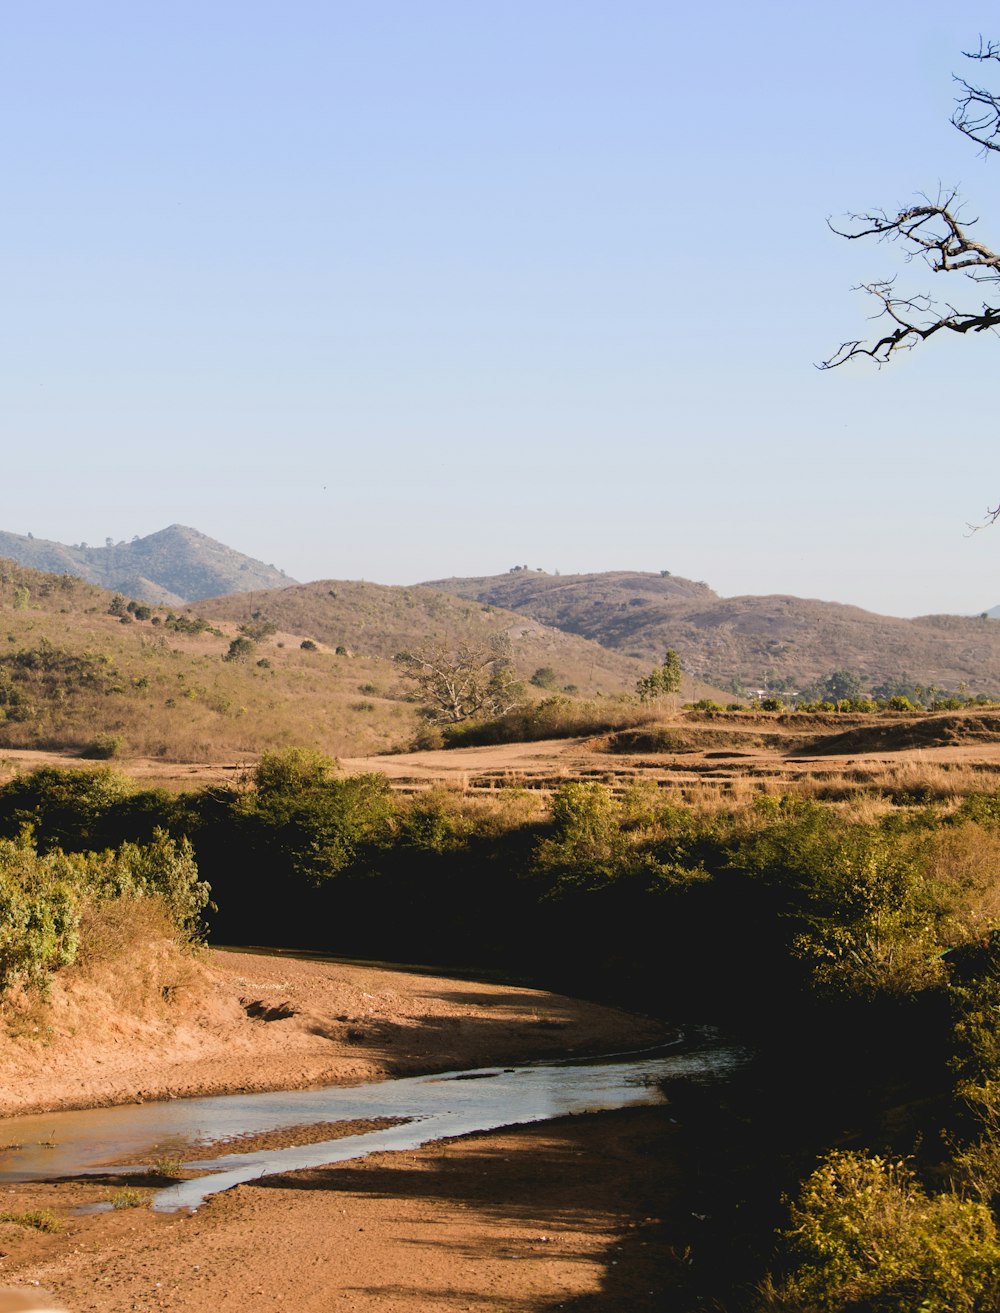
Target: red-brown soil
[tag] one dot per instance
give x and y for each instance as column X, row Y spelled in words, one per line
column 528, row 1219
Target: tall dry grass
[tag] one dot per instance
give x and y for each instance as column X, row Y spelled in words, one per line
column 129, row 952
column 173, row 696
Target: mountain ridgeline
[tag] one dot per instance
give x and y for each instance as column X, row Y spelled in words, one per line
column 168, row 568
column 778, row 642
column 599, row 632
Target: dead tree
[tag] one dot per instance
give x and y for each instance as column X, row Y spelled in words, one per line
column 452, row 685
column 937, row 234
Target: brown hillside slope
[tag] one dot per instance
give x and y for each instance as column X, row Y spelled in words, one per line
column 747, row 639
column 74, row 678
column 377, row 620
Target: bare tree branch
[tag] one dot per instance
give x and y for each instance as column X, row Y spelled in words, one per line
column 916, row 319
column 992, row 515
column 977, row 113
column 456, row 685
column 936, row 233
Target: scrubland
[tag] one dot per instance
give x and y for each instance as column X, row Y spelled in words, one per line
column 859, row 932
column 827, row 885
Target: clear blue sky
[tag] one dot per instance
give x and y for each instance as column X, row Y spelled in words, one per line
column 400, row 290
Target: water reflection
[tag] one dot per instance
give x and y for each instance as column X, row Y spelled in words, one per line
column 439, row 1106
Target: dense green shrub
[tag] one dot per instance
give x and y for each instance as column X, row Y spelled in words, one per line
column 291, row 770
column 104, row 747
column 240, row 648
column 586, row 839
column 40, row 909
column 865, row 1235
column 66, row 808
column 900, row 703
column 866, row 918
column 164, row 868
column 545, row 677
column 305, row 819
column 43, row 897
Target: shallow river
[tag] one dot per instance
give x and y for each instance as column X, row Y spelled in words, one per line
column 63, row 1144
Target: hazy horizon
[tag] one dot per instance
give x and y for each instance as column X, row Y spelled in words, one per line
column 457, row 573
column 400, row 291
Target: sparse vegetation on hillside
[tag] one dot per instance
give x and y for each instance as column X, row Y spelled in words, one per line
column 72, row 677
column 742, row 643
column 375, row 620
column 104, row 675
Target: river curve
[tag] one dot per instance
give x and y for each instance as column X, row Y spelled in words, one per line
column 57, row 1145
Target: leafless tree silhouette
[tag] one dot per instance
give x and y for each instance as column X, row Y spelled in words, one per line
column 937, row 233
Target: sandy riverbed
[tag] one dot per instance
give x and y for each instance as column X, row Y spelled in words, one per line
column 235, row 1022
column 562, row 1215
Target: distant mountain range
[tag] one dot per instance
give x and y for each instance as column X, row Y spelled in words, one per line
column 751, row 642
column 777, row 642
column 168, row 568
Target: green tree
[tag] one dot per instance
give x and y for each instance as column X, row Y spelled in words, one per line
column 663, row 680
column 841, row 685
column 240, row 649
column 257, row 629
column 545, row 677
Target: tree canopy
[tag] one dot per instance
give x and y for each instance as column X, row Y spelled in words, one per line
column 662, row 680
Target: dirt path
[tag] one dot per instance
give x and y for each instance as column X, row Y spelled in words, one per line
column 727, row 761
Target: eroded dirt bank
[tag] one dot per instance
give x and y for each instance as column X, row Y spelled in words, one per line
column 235, row 1022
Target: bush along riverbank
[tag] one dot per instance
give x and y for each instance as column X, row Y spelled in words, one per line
column 857, row 945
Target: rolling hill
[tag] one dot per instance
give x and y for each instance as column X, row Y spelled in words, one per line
column 77, row 676
column 171, row 567
column 378, row 620
column 747, row 642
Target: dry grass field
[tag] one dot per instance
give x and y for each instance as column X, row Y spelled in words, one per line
column 691, row 758
column 159, row 697
column 708, row 762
